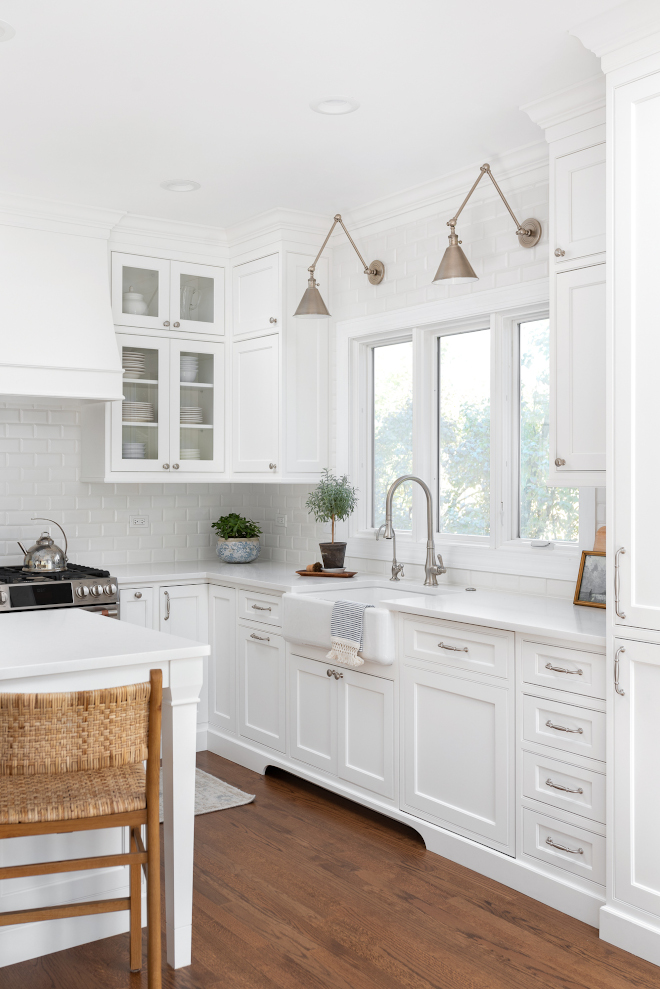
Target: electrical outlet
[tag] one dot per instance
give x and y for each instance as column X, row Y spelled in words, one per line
column 139, row 521
column 280, row 520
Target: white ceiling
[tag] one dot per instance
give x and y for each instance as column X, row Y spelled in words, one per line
column 104, row 101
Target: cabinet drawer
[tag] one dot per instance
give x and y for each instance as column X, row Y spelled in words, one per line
column 580, row 791
column 586, row 857
column 564, row 726
column 566, row 669
column 136, row 605
column 465, row 647
column 260, row 607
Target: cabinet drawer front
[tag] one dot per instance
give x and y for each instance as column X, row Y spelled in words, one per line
column 564, row 726
column 567, row 669
column 580, row 791
column 542, row 835
column 136, row 605
column 460, row 646
column 260, row 607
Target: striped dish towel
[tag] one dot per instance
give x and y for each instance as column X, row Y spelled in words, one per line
column 346, row 627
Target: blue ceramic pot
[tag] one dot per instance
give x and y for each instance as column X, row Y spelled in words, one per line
column 238, row 550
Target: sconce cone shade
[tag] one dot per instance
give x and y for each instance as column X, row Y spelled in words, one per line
column 454, row 264
column 312, row 305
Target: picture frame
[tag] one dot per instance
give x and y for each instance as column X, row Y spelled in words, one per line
column 590, row 589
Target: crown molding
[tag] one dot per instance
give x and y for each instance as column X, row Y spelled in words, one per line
column 171, row 235
column 57, row 217
column 277, row 223
column 623, row 34
column 565, row 104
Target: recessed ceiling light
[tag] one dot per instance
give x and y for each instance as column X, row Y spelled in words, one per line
column 335, row 105
column 181, row 185
column 6, row 31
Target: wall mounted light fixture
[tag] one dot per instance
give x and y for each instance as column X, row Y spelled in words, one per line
column 454, row 265
column 312, row 305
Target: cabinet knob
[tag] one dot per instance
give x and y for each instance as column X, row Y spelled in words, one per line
column 166, row 322
column 272, row 320
column 272, row 466
column 166, row 466
column 559, row 462
column 175, row 466
column 559, row 253
column 138, row 594
column 176, row 324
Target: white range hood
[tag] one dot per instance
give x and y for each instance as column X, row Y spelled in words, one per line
column 58, row 338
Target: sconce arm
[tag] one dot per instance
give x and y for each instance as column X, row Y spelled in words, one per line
column 485, row 169
column 338, row 219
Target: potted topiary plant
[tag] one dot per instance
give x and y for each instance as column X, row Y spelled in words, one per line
column 333, row 498
column 238, row 539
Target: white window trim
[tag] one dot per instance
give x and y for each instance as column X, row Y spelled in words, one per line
column 502, row 309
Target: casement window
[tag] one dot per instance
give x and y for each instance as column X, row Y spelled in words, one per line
column 392, row 431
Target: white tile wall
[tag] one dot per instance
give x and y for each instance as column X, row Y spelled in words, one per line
column 40, row 475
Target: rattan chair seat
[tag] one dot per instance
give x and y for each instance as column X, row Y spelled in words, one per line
column 72, row 796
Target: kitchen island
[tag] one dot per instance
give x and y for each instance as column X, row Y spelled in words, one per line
column 69, row 649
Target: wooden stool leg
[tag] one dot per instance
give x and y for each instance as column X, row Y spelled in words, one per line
column 136, row 910
column 153, row 895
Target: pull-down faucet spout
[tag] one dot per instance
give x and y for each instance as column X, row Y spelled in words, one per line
column 431, row 569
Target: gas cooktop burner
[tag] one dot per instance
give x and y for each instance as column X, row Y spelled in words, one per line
column 16, row 575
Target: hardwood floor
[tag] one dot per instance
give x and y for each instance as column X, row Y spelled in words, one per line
column 305, row 890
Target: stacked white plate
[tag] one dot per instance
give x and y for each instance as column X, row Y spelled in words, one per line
column 137, row 412
column 134, row 364
column 189, row 367
column 190, row 454
column 133, row 451
column 190, row 415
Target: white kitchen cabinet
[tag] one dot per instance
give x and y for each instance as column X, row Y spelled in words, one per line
column 183, row 611
column 342, row 722
column 578, row 386
column 175, row 296
column 579, row 201
column 222, row 662
column 458, row 754
column 255, row 405
column 256, row 297
column 136, row 605
column 261, row 686
column 636, row 797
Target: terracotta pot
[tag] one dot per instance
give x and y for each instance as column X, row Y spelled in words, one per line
column 333, row 555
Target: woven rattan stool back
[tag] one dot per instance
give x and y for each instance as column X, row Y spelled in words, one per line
column 74, row 732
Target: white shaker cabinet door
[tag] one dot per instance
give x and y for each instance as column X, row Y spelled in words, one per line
column 579, row 380
column 222, row 662
column 635, row 774
column 366, row 731
column 580, row 204
column 256, row 296
column 136, row 605
column 256, row 375
column 184, row 612
column 313, row 713
column 458, row 754
column 262, row 686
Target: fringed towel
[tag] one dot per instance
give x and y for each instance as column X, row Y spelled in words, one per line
column 346, row 627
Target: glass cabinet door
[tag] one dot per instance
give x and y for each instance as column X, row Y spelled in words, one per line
column 197, row 298
column 140, row 423
column 197, row 411
column 140, row 291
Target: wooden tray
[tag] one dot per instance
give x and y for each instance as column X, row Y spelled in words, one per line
column 324, row 573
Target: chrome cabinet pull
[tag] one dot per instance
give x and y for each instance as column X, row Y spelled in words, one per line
column 617, row 687
column 441, row 645
column 559, row 252
column 578, row 731
column 138, row 594
column 166, row 466
column 257, row 607
column 335, row 674
column 561, row 669
column 560, row 462
column 177, row 325
column 262, row 638
column 166, row 322
column 617, row 583
column 272, row 320
column 272, row 466
column 564, row 848
column 566, row 789
column 167, row 598
column 175, row 466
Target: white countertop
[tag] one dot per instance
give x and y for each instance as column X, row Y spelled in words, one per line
column 65, row 640
column 265, row 574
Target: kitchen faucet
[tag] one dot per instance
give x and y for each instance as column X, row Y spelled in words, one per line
column 397, row 568
column 431, row 569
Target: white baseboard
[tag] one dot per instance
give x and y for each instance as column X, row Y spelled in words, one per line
column 521, row 876
column 633, row 932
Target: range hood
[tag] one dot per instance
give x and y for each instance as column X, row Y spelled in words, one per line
column 58, row 338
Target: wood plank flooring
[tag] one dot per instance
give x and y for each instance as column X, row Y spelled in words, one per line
column 305, row 890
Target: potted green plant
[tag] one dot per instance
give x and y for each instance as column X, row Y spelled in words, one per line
column 333, row 499
column 238, row 539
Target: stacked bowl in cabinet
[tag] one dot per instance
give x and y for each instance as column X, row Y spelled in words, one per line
column 562, row 759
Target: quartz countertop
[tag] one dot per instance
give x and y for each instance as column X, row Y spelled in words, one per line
column 67, row 640
column 262, row 573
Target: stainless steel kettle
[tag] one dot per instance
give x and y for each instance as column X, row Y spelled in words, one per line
column 45, row 556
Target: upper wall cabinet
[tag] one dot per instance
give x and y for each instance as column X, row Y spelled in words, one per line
column 257, row 296
column 579, row 204
column 152, row 293
column 256, row 399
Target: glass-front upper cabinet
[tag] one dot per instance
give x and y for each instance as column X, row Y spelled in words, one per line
column 171, row 296
column 197, row 410
column 140, row 424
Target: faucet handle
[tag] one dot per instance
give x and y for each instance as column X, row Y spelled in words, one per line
column 397, row 569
